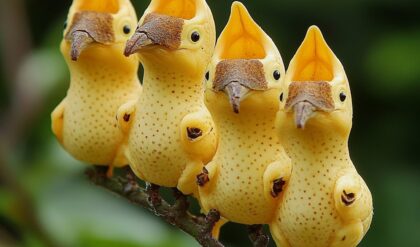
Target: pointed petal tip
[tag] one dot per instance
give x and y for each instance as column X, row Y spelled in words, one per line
column 74, row 54
column 74, row 57
column 300, row 126
column 314, row 29
column 236, row 5
column 236, row 93
column 127, row 52
column 303, row 112
column 311, row 33
column 79, row 42
column 314, row 43
column 236, row 109
column 314, row 33
column 238, row 10
column 136, row 43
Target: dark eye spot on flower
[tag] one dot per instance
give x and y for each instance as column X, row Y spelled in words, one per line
column 203, row 177
column 276, row 75
column 343, row 96
column 277, row 187
column 347, row 198
column 195, row 36
column 126, row 29
column 194, row 133
column 126, row 117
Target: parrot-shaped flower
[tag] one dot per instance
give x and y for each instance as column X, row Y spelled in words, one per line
column 102, row 79
column 247, row 174
column 326, row 202
column 172, row 134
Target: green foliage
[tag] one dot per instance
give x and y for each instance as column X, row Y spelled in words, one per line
column 393, row 63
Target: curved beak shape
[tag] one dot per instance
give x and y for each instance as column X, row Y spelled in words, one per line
column 236, row 92
column 157, row 29
column 236, row 77
column 88, row 28
column 136, row 43
column 79, row 42
column 303, row 112
column 306, row 98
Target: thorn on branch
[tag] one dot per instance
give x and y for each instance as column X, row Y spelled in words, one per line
column 179, row 209
column 257, row 236
column 181, row 203
column 131, row 185
column 211, row 219
column 96, row 175
column 206, row 236
column 154, row 197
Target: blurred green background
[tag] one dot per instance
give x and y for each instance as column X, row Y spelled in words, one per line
column 45, row 198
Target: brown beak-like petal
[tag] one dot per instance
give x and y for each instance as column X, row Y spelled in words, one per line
column 135, row 43
column 303, row 112
column 89, row 27
column 157, row 29
column 235, row 92
column 236, row 77
column 307, row 97
column 80, row 40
